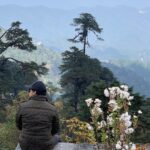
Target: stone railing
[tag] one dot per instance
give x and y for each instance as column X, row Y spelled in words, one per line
column 85, row 146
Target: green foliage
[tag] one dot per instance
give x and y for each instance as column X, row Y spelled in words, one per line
column 10, row 76
column 2, row 115
column 143, row 130
column 21, row 97
column 13, row 71
column 29, row 69
column 9, row 134
column 8, row 131
column 137, row 102
column 68, row 111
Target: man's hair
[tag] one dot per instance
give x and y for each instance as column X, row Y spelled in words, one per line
column 39, row 87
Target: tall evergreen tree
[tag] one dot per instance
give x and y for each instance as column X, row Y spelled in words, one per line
column 78, row 71
column 84, row 24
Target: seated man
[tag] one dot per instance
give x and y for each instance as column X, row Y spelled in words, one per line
column 38, row 120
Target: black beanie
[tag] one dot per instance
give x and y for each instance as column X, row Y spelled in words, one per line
column 39, row 87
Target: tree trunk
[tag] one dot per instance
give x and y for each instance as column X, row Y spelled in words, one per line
column 84, row 45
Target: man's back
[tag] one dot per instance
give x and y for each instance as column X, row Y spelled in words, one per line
column 38, row 121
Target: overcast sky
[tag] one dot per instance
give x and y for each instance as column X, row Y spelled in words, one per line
column 69, row 4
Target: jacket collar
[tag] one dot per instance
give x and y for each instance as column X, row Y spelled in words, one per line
column 39, row 98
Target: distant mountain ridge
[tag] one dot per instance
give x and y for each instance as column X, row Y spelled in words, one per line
column 134, row 74
column 126, row 29
column 42, row 54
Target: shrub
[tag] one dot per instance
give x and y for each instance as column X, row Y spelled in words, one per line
column 76, row 131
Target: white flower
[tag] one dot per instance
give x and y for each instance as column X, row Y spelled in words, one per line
column 130, row 98
column 112, row 101
column 139, row 112
column 113, row 92
column 101, row 124
column 134, row 116
column 125, row 118
column 109, row 120
column 129, row 130
column 124, row 95
column 89, row 126
column 112, row 131
column 128, row 124
column 129, row 103
column 126, row 147
column 96, row 111
column 124, row 87
column 118, row 145
column 133, row 147
column 99, row 110
column 97, row 102
column 89, row 102
column 113, row 104
column 106, row 92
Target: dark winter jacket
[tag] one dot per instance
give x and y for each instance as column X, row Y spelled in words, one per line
column 38, row 121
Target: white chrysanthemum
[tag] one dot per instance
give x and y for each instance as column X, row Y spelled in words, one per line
column 139, row 112
column 106, row 92
column 89, row 102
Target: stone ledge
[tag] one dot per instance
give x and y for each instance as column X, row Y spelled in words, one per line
column 84, row 146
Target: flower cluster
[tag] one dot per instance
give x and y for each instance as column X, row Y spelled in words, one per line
column 119, row 124
column 119, row 97
column 96, row 111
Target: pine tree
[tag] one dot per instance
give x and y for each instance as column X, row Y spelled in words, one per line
column 77, row 72
column 18, row 38
column 84, row 24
